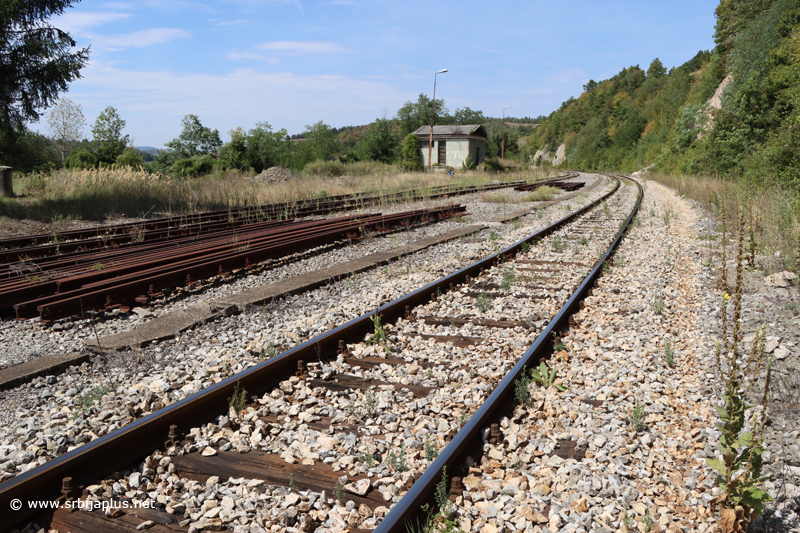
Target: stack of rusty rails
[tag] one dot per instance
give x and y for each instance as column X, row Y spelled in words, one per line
column 136, row 280
column 20, row 249
column 563, row 185
column 21, row 282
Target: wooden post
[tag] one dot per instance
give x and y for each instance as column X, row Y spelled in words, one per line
column 8, row 186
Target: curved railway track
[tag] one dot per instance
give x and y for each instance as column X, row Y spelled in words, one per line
column 461, row 339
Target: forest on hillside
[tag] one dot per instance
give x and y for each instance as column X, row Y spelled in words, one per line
column 668, row 118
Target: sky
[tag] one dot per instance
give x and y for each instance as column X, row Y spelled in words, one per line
column 292, row 63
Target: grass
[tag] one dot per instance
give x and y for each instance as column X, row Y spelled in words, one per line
column 545, row 193
column 774, row 210
column 100, row 193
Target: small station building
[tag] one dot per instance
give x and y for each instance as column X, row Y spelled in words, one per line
column 452, row 144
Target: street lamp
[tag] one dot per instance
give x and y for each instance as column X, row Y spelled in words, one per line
column 503, row 135
column 433, row 115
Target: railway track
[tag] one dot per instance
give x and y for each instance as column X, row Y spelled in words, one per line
column 458, row 338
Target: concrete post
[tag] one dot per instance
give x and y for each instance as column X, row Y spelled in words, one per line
column 8, row 186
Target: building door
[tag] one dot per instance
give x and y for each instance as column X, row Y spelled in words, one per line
column 442, row 152
column 477, row 154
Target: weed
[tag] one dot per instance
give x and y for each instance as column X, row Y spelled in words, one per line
column 431, row 451
column 429, row 373
column 453, row 324
column 658, row 302
column 462, row 420
column 483, row 302
column 583, row 241
column 370, row 403
column 318, row 351
column 97, row 266
column 379, row 336
column 508, row 278
column 367, row 459
column 669, row 352
column 648, row 524
column 473, row 373
column 338, row 493
column 558, row 344
column 546, row 377
column 740, row 476
column 493, row 236
column 558, row 245
column 636, row 418
column 668, row 214
column 607, row 210
column 86, row 400
column 522, row 390
column 292, row 486
column 606, row 267
column 398, row 460
column 271, row 351
column 525, row 247
column 627, row 520
column 237, row 401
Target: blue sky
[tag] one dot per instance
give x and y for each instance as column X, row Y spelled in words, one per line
column 347, row 62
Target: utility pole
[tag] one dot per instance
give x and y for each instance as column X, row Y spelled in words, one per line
column 503, row 135
column 433, row 116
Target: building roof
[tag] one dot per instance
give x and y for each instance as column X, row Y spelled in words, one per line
column 466, row 130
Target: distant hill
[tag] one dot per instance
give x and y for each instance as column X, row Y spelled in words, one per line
column 147, row 149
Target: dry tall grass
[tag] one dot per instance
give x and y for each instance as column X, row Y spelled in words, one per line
column 773, row 212
column 99, row 193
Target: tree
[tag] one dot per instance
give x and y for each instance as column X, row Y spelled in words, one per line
column 415, row 114
column 109, row 142
column 37, row 62
column 266, row 148
column 468, row 116
column 66, row 124
column 656, row 69
column 379, row 143
column 195, row 139
column 411, row 157
column 322, row 141
column 233, row 153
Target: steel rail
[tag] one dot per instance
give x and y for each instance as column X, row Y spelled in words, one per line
column 129, row 444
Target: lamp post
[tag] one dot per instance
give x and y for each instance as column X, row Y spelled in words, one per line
column 503, row 135
column 433, row 116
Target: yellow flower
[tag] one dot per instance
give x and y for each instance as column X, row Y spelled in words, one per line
column 726, row 296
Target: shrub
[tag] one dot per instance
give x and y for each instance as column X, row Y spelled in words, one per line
column 81, row 159
column 469, row 163
column 193, row 166
column 129, row 158
column 326, row 168
column 411, row 159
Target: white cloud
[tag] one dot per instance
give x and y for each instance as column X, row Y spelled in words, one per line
column 305, row 47
column 76, row 22
column 153, row 103
column 139, row 38
column 237, row 56
column 231, row 22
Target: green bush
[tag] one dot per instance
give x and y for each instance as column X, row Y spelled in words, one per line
column 411, row 159
column 469, row 163
column 326, row 168
column 81, row 159
column 129, row 158
column 193, row 166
